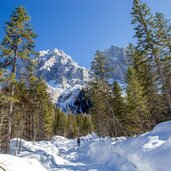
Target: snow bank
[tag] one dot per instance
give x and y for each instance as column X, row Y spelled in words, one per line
column 102, row 152
column 44, row 152
column 12, row 163
column 147, row 152
column 47, row 153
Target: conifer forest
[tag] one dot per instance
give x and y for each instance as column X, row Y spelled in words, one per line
column 103, row 105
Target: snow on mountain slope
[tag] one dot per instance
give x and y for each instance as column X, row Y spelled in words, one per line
column 147, row 152
column 64, row 77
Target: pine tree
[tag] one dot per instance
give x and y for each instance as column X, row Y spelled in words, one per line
column 137, row 109
column 87, row 126
column 102, row 112
column 119, row 110
column 48, row 120
column 99, row 68
column 162, row 32
column 137, row 59
column 3, row 114
column 118, row 101
column 163, row 41
column 71, row 126
column 146, row 43
column 100, row 109
column 60, row 123
column 79, row 120
column 84, row 124
column 4, row 101
column 44, row 110
column 17, row 45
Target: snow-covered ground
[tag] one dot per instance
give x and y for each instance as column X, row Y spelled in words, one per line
column 13, row 163
column 147, row 152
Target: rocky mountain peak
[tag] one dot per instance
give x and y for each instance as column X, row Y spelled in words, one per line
column 65, row 78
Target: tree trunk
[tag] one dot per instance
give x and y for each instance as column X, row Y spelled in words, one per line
column 10, row 115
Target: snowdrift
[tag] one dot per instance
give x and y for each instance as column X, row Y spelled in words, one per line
column 12, row 163
column 147, row 152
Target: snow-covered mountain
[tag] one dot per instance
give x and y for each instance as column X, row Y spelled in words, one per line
column 65, row 78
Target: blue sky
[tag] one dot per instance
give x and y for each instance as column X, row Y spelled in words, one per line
column 80, row 27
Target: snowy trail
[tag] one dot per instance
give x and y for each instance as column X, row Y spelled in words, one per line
column 76, row 158
column 146, row 152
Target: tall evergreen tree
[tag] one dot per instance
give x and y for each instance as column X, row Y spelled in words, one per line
column 162, row 32
column 145, row 33
column 138, row 114
column 60, row 123
column 100, row 69
column 119, row 110
column 87, row 126
column 71, row 126
column 17, row 45
column 118, row 101
column 137, row 59
column 163, row 41
column 100, row 109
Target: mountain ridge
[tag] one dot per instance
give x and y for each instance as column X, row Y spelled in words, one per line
column 65, row 78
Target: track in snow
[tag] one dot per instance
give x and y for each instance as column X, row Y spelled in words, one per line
column 77, row 159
